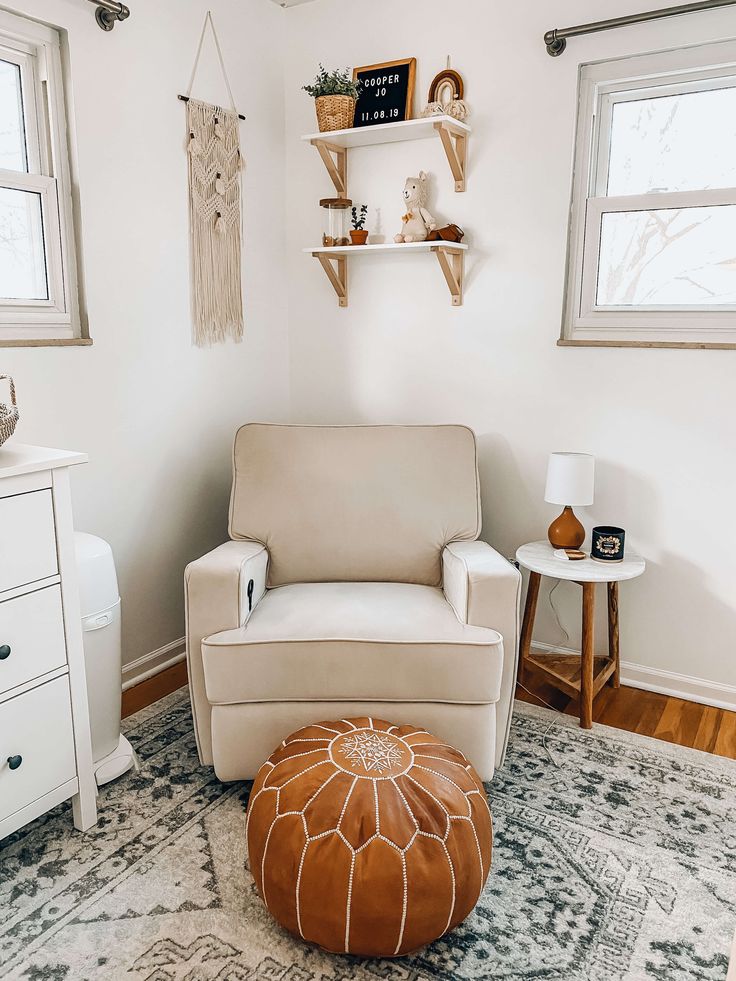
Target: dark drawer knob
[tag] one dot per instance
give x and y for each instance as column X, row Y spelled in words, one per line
column 4, row 651
column 14, row 762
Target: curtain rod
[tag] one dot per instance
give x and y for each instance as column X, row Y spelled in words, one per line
column 556, row 40
column 109, row 12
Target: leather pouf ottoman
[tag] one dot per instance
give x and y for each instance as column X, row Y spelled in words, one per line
column 368, row 838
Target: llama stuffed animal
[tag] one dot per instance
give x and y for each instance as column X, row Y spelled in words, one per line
column 418, row 222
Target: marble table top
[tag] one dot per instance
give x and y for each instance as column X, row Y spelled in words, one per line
column 539, row 557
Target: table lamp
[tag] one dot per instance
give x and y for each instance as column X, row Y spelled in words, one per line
column 570, row 480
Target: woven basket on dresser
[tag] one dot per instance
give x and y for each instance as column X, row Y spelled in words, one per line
column 334, row 112
column 8, row 413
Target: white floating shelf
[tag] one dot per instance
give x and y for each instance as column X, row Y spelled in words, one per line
column 387, row 247
column 450, row 255
column 333, row 147
column 411, row 129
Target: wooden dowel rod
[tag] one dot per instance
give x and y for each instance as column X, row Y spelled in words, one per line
column 185, row 98
column 587, row 657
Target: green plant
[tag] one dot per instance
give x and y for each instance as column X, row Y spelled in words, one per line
column 339, row 82
column 359, row 221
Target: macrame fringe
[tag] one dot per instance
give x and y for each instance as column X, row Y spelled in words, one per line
column 215, row 223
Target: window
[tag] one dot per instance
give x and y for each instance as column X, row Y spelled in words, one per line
column 38, row 282
column 652, row 247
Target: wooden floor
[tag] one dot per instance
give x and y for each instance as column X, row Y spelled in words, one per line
column 156, row 687
column 671, row 719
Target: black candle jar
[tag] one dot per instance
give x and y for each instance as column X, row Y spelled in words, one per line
column 608, row 544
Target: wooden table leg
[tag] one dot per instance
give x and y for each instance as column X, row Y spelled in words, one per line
column 586, row 657
column 613, row 649
column 527, row 624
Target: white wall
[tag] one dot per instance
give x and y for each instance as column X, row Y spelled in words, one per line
column 661, row 423
column 156, row 415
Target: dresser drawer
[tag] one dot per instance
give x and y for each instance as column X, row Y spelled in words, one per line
column 36, row 735
column 27, row 539
column 32, row 638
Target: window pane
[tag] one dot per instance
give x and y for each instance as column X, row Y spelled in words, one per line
column 669, row 257
column 673, row 143
column 12, row 131
column 22, row 259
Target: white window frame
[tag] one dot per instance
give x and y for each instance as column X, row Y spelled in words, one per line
column 36, row 49
column 601, row 86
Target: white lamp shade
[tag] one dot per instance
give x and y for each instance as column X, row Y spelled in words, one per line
column 570, row 479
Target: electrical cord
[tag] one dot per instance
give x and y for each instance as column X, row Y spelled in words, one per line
column 556, row 612
column 553, row 759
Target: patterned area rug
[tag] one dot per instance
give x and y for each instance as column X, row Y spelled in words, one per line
column 618, row 864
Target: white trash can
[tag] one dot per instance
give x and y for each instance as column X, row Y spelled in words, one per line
column 100, row 605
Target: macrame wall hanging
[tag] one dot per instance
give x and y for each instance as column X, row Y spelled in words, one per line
column 215, row 224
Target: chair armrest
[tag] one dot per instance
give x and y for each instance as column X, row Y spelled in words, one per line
column 484, row 589
column 216, row 598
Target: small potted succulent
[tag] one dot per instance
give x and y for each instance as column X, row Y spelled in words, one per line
column 358, row 232
column 335, row 94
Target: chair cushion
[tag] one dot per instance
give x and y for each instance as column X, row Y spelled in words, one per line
column 353, row 641
column 358, row 503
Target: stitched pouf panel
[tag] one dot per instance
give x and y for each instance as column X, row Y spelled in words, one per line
column 368, row 838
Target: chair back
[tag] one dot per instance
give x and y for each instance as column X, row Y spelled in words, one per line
column 355, row 503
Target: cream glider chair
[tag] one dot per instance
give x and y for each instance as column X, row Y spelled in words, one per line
column 354, row 585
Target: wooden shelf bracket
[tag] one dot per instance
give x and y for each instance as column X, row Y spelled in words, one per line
column 333, row 146
column 455, row 142
column 452, row 264
column 335, row 159
column 337, row 274
column 450, row 256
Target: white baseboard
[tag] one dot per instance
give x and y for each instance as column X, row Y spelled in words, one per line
column 150, row 664
column 679, row 685
column 667, row 682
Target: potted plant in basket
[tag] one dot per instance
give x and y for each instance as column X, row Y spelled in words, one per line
column 335, row 94
column 358, row 233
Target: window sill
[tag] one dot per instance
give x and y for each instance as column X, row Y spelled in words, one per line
column 47, row 342
column 686, row 345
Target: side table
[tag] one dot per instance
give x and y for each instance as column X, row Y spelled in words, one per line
column 582, row 676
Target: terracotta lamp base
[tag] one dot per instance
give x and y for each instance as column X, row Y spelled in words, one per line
column 566, row 531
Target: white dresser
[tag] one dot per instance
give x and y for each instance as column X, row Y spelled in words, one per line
column 45, row 751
